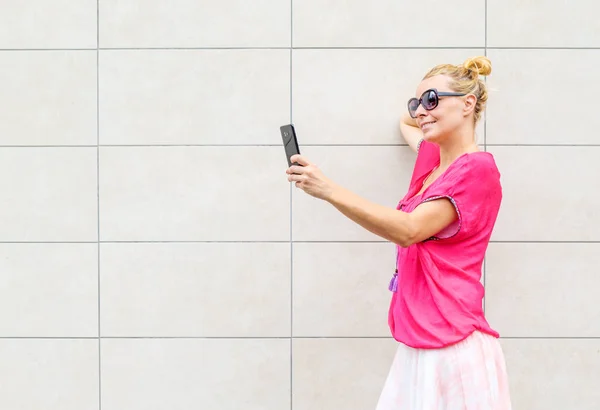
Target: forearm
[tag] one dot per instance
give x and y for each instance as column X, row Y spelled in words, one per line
column 410, row 131
column 388, row 223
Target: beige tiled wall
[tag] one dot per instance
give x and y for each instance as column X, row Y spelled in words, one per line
column 153, row 255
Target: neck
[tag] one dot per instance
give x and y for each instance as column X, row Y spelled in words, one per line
column 454, row 147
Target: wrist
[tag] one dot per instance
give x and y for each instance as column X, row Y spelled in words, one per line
column 333, row 193
column 408, row 120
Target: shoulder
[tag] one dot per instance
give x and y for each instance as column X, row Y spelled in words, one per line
column 428, row 155
column 478, row 166
column 426, row 148
column 476, row 177
column 476, row 190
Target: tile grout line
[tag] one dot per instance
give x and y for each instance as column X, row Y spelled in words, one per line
column 485, row 79
column 484, row 283
column 485, row 17
column 362, row 145
column 291, row 398
column 269, row 337
column 294, row 48
column 98, row 197
column 199, row 242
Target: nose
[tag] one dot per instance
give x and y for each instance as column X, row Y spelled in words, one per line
column 420, row 112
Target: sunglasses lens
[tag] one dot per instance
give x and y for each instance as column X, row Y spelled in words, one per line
column 430, row 100
column 413, row 104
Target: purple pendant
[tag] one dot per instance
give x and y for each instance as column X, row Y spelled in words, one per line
column 393, row 287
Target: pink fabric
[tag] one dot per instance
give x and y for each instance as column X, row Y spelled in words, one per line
column 438, row 295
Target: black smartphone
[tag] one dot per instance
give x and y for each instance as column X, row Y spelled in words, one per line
column 290, row 142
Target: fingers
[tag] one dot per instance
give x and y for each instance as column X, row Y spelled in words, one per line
column 295, row 169
column 301, row 173
column 299, row 159
column 296, row 178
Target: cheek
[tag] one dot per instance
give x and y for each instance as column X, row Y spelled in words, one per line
column 449, row 115
column 456, row 108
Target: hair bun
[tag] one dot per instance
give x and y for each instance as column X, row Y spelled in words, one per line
column 481, row 65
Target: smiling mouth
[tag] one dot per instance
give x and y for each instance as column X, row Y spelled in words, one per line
column 426, row 124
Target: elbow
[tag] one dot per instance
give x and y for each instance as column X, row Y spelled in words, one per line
column 407, row 237
column 405, row 243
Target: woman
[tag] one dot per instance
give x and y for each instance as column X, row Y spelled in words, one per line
column 448, row 356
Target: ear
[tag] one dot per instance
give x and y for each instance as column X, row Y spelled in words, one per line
column 470, row 102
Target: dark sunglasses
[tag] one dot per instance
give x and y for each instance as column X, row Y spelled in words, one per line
column 429, row 99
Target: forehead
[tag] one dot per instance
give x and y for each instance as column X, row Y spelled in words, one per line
column 440, row 82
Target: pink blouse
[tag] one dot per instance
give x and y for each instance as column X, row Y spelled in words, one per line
column 437, row 291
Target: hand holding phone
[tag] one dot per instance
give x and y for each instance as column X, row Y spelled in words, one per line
column 290, row 142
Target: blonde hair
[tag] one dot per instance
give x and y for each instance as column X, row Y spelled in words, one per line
column 465, row 79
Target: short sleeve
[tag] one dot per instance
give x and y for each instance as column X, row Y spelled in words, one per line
column 473, row 187
column 428, row 157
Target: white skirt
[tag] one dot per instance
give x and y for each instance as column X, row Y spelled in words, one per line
column 469, row 375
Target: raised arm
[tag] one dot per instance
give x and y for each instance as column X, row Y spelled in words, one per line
column 410, row 132
column 396, row 226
